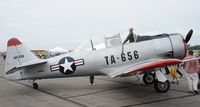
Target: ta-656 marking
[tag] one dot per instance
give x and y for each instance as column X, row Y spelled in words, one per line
column 128, row 56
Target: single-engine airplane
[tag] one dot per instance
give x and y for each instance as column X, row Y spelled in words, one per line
column 147, row 55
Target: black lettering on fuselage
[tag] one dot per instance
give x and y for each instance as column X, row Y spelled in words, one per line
column 112, row 59
column 106, row 57
column 18, row 57
column 129, row 56
column 136, row 54
column 124, row 57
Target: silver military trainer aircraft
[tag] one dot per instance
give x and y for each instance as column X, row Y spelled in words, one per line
column 145, row 56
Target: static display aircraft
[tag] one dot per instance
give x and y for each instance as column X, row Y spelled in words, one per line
column 145, row 56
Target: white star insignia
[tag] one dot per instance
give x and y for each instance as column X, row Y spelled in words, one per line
column 67, row 65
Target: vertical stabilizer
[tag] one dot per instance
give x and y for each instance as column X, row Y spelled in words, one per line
column 17, row 54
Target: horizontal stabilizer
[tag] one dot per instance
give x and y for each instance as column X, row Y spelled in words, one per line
column 32, row 63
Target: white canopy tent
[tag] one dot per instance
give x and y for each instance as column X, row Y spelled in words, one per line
column 58, row 50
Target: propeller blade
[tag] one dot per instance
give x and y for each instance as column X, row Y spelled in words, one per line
column 189, row 35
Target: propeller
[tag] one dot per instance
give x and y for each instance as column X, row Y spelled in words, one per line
column 189, row 35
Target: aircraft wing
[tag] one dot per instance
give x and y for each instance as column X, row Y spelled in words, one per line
column 145, row 65
column 32, row 63
column 188, row 60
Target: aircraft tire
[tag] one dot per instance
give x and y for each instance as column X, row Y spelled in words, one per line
column 148, row 78
column 35, row 85
column 161, row 87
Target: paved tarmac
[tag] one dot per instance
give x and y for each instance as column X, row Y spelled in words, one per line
column 107, row 92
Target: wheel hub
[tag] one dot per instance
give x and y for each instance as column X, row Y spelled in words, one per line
column 149, row 78
column 162, row 86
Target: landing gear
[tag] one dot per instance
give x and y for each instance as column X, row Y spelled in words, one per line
column 161, row 84
column 91, row 80
column 149, row 78
column 35, row 85
column 161, row 87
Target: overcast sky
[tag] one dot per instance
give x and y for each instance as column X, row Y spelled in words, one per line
column 46, row 24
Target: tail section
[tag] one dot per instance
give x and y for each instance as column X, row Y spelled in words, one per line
column 17, row 54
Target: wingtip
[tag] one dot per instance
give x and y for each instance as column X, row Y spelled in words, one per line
column 13, row 42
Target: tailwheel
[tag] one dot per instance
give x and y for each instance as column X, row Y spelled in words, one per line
column 35, row 85
column 149, row 78
column 91, row 80
column 161, row 87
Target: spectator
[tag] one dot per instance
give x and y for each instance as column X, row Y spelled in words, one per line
column 198, row 56
column 179, row 72
column 173, row 71
column 191, row 68
column 166, row 70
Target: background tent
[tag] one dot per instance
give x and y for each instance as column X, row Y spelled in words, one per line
column 57, row 51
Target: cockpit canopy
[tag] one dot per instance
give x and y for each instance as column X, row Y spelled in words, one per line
column 145, row 38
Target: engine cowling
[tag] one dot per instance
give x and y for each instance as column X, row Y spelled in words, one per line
column 170, row 45
column 178, row 45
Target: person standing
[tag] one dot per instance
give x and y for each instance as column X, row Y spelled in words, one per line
column 173, row 71
column 167, row 72
column 198, row 56
column 192, row 68
column 178, row 71
column 131, row 36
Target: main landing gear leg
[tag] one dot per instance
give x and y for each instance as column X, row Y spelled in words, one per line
column 91, row 80
column 161, row 84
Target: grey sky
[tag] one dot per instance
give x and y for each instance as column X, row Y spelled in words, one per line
column 45, row 24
